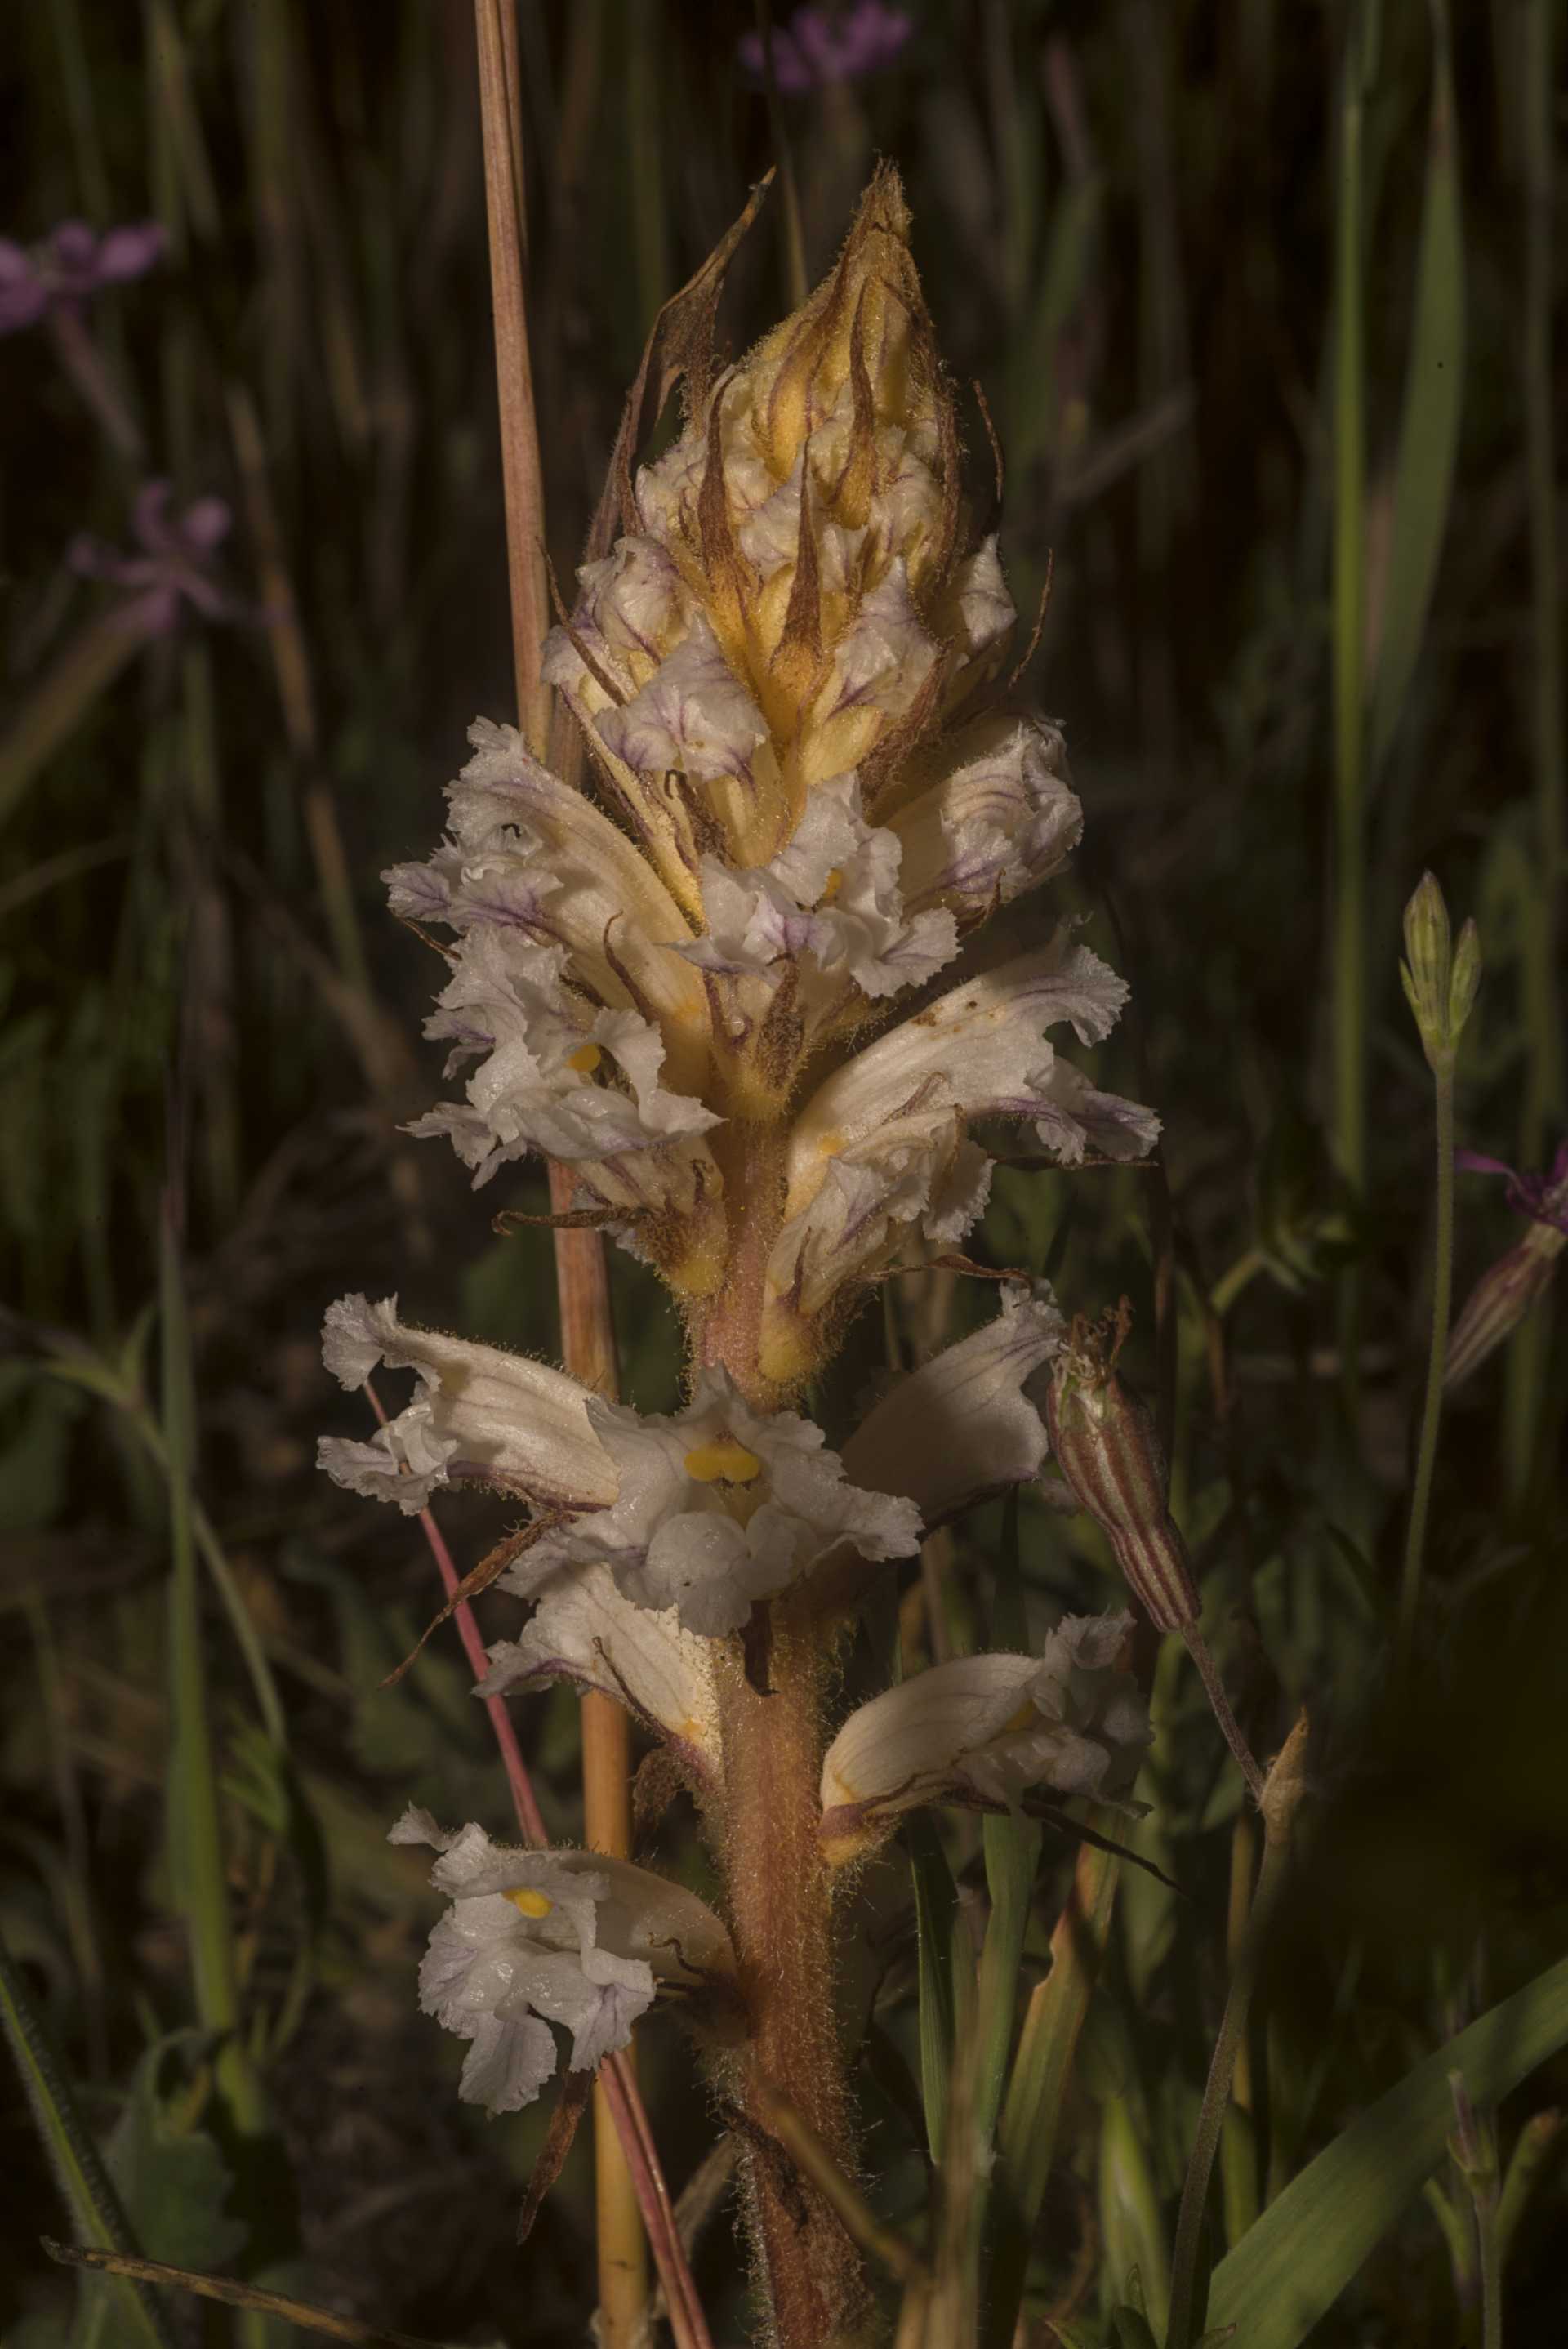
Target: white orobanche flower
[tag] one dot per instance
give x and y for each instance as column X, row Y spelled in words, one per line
column 540, row 863
column 693, row 715
column 979, row 610
column 964, row 1424
column 717, row 1506
column 1002, row 817
column 878, row 668
column 828, row 908
column 584, row 1631
column 545, row 1061
column 985, row 1729
column 536, row 1938
column 478, row 1414
column 879, row 1145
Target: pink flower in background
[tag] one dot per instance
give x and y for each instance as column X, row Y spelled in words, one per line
column 72, row 263
column 174, row 565
column 819, row 46
column 1542, row 1197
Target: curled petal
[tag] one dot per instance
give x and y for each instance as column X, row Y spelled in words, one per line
column 876, row 673
column 544, row 1064
column 538, row 863
column 983, row 1044
column 1003, row 819
column 583, row 1629
column 987, row 1729
column 830, row 899
column 693, row 714
column 965, row 1424
column 977, row 611
column 497, row 1416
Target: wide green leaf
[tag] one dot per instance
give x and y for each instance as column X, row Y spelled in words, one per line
column 1288, row 2270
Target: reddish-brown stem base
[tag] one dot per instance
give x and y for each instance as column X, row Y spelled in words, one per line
column 780, row 1902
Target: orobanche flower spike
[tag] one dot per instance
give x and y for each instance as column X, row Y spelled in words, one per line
column 739, row 989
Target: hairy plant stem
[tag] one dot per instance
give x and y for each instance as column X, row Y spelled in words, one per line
column 1426, row 1458
column 780, row 1895
column 781, row 1919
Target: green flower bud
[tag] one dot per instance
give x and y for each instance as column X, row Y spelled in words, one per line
column 1439, row 981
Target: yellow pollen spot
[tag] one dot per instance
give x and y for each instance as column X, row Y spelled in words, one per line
column 724, row 1463
column 829, row 1144
column 585, row 1060
column 531, row 1903
column 831, row 886
column 1025, row 1718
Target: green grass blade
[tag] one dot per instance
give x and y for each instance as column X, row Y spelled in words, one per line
column 1429, row 428
column 1012, row 1855
column 194, row 1825
column 85, row 2184
column 1288, row 2270
column 1032, row 2112
column 935, row 1910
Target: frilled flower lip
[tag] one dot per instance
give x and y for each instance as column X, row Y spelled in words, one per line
column 541, row 1059
column 829, row 904
column 564, row 1937
column 529, row 855
column 985, row 1729
column 478, row 1414
column 986, row 1042
column 718, row 1506
column 1542, row 1197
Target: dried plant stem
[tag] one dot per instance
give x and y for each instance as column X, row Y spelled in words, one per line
column 1426, row 1458
column 501, row 114
column 587, row 1332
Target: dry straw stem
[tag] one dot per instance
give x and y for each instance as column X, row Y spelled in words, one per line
column 588, row 1341
column 234, row 2294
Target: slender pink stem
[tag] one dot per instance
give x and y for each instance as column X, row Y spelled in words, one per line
column 630, row 2114
column 529, row 1817
column 621, row 2090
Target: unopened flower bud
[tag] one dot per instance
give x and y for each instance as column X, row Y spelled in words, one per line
column 1465, row 984
column 1501, row 1300
column 1106, row 1449
column 1440, row 982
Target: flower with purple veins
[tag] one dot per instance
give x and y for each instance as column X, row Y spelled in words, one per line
column 174, row 565
column 1542, row 1197
column 1507, row 1290
column 72, row 263
column 818, row 47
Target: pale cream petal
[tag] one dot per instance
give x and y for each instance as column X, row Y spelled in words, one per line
column 499, row 1417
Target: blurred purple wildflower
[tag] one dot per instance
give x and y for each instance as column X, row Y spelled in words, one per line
column 1542, row 1197
column 175, row 562
column 72, row 263
column 818, row 47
